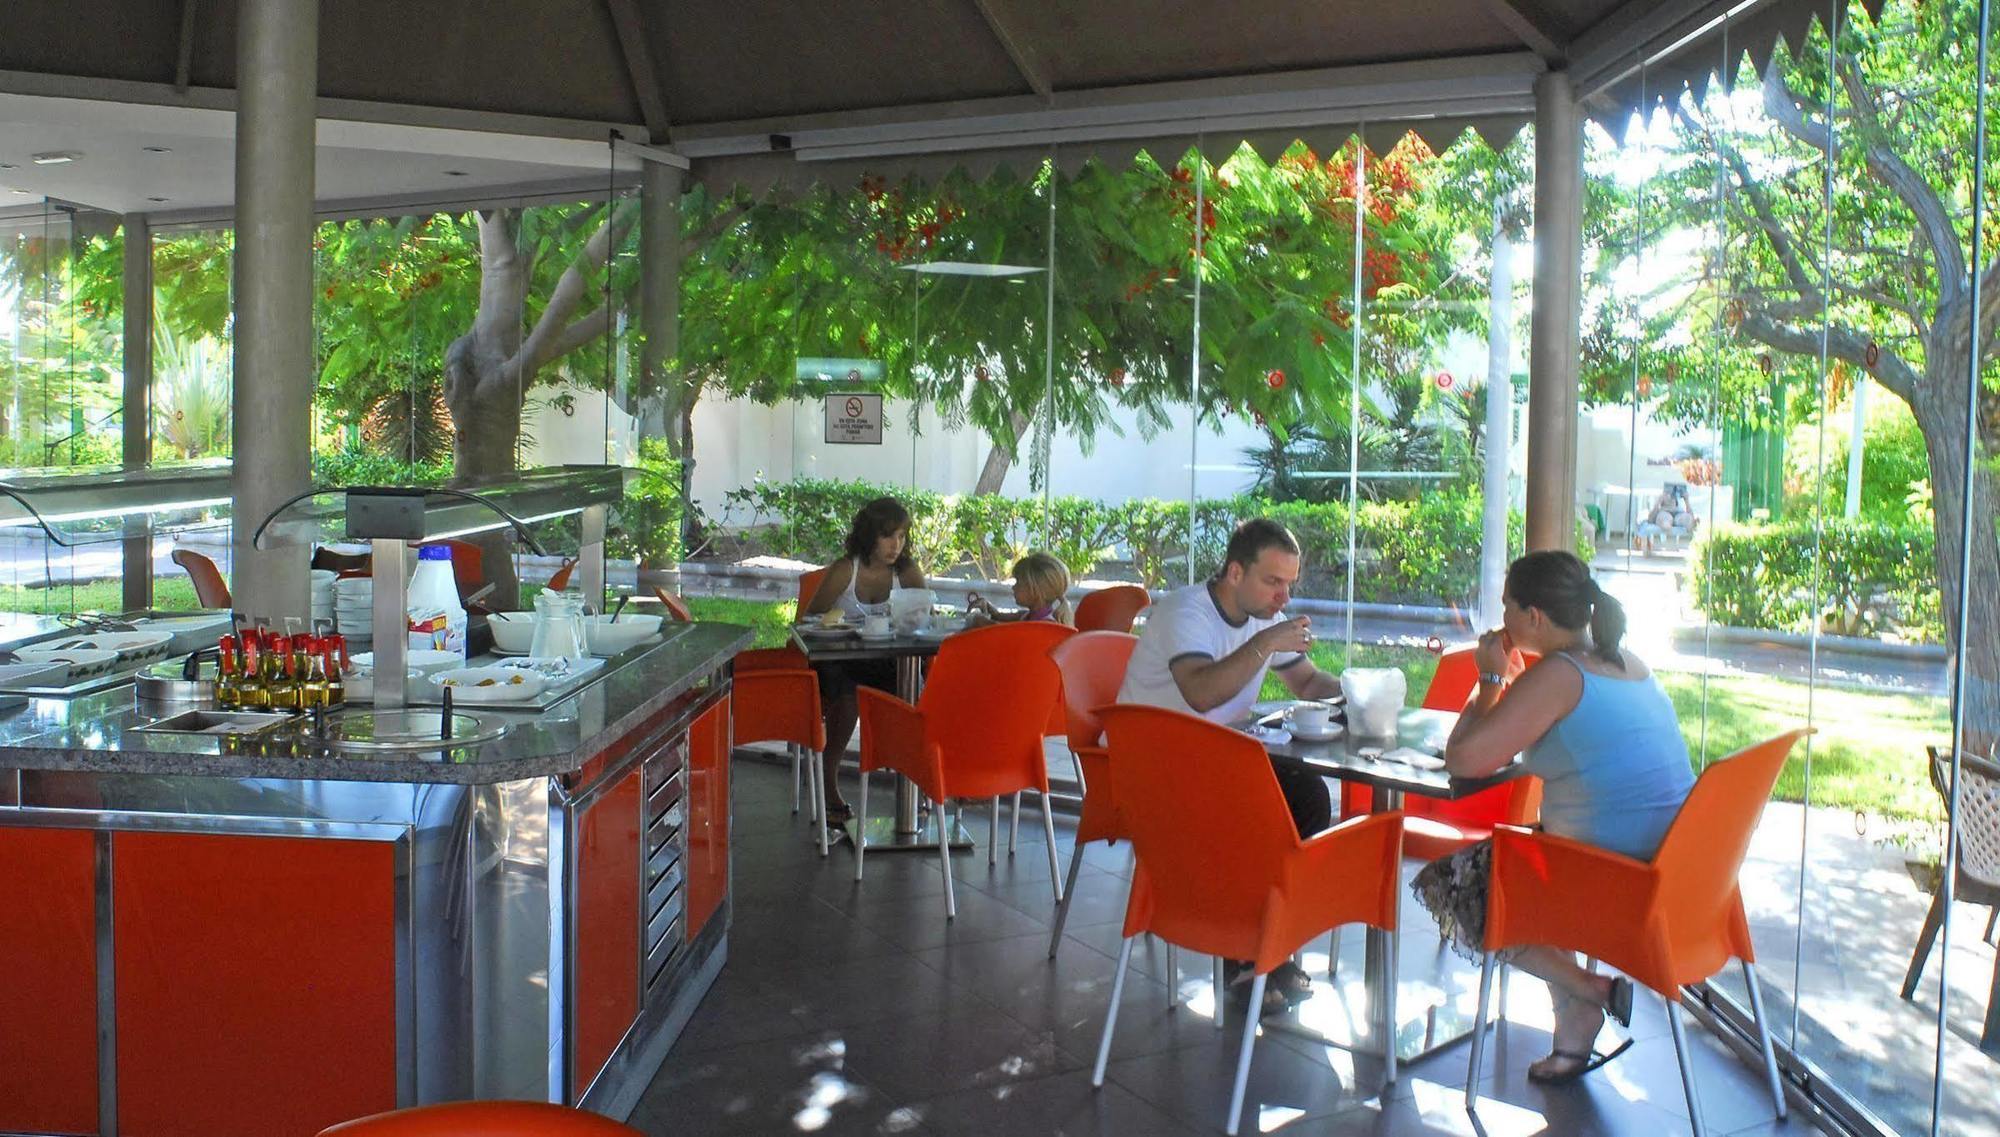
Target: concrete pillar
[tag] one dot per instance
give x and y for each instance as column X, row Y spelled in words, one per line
column 277, row 70
column 1558, row 307
column 136, row 416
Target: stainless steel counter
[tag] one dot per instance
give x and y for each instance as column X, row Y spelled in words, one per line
column 552, row 903
column 97, row 732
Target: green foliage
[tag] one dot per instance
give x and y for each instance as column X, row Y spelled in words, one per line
column 649, row 520
column 1876, row 578
column 191, row 396
column 1894, row 461
column 360, row 466
column 1424, row 551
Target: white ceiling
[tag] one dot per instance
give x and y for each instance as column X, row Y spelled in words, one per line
column 193, row 170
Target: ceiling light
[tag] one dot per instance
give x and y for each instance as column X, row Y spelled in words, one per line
column 56, row 157
column 157, row 149
column 6, row 165
column 455, row 174
column 19, row 190
column 157, row 199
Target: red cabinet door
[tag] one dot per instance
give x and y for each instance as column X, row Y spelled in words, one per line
column 708, row 815
column 48, row 954
column 607, row 928
column 256, row 982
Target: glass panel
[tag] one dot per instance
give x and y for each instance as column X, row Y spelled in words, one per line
column 193, row 385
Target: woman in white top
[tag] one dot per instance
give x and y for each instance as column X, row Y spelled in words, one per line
column 878, row 560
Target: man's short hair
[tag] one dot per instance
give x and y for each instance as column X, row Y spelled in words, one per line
column 1253, row 537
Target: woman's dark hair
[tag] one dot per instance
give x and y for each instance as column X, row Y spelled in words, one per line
column 874, row 521
column 1559, row 584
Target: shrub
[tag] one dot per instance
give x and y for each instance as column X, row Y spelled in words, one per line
column 649, row 519
column 359, row 466
column 1876, row 577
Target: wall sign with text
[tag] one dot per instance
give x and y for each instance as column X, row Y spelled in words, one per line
column 854, row 420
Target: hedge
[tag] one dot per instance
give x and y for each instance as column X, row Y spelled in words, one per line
column 1408, row 552
column 1877, row 578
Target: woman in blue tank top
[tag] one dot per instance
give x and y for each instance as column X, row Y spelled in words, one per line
column 1594, row 725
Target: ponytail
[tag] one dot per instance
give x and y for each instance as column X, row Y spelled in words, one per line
column 1559, row 584
column 1607, row 626
column 1064, row 614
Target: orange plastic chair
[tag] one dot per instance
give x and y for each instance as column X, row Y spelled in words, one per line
column 1221, row 868
column 468, row 564
column 1675, row 921
column 560, row 580
column 976, row 732
column 210, row 590
column 772, row 705
column 1111, row 609
column 1092, row 665
column 675, row 606
column 787, row 658
column 486, row 1119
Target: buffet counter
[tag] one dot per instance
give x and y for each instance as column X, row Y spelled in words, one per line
column 266, row 935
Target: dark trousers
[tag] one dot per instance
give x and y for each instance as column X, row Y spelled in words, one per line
column 1307, row 797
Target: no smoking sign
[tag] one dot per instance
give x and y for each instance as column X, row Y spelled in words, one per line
column 854, row 420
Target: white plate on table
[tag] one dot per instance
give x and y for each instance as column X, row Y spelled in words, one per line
column 814, row 630
column 1416, row 759
column 490, row 684
column 47, row 673
column 885, row 637
column 1269, row 735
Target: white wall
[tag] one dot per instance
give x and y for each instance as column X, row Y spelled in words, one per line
column 597, row 431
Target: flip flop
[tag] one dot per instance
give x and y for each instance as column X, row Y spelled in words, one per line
column 1237, row 984
column 1619, row 1004
column 1589, row 1060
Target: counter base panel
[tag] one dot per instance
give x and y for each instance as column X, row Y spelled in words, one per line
column 48, row 945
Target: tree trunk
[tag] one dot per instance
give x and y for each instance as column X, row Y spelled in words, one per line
column 1940, row 412
column 1499, row 422
column 1000, row 458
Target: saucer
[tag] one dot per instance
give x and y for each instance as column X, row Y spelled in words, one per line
column 1270, row 735
column 1333, row 730
column 882, row 638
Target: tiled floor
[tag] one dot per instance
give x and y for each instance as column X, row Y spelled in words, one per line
column 855, row 1008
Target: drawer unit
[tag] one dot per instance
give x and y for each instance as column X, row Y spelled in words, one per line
column 664, row 903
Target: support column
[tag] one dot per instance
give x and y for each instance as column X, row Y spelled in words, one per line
column 136, row 414
column 1558, row 309
column 277, row 69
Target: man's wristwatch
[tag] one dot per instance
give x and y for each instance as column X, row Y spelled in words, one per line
column 1493, row 678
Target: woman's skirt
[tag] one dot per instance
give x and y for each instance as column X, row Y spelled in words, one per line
column 1454, row 889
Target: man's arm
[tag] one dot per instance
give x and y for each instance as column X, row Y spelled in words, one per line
column 1208, row 683
column 1307, row 681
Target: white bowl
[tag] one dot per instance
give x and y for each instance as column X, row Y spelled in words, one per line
column 46, row 674
column 490, row 684
column 418, row 662
column 127, row 647
column 513, row 631
column 602, row 637
column 82, row 663
column 189, row 632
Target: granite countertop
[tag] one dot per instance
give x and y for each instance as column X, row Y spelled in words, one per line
column 96, row 732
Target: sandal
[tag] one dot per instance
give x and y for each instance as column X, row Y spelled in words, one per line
column 838, row 814
column 1237, row 979
column 1619, row 1003
column 1586, row 1062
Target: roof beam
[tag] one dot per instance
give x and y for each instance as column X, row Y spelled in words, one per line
column 630, row 27
column 1531, row 25
column 184, row 58
column 1368, row 93
column 1026, row 61
column 1642, row 31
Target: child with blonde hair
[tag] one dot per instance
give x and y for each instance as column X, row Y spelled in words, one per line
column 1040, row 584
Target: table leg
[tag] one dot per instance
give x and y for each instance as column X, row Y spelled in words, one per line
column 1379, row 966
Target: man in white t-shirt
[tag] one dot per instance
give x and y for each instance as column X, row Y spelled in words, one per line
column 1205, row 649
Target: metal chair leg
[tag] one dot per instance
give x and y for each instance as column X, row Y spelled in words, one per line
column 792, row 749
column 860, row 825
column 1243, row 1055
column 1333, row 955
column 1389, row 1012
column 1173, row 977
column 816, row 785
column 1216, row 979
column 993, row 834
column 1473, row 1068
column 1687, row 1066
column 1014, row 824
column 941, row 818
column 1992, row 917
column 1111, row 1012
column 1069, row 889
column 1764, row 1037
column 1049, row 834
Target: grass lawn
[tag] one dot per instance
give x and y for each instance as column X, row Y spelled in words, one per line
column 771, row 622
column 170, row 593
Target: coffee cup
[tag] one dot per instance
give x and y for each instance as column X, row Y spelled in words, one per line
column 875, row 625
column 1311, row 718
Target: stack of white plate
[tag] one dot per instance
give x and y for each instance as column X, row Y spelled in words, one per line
column 322, row 594
column 353, row 609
